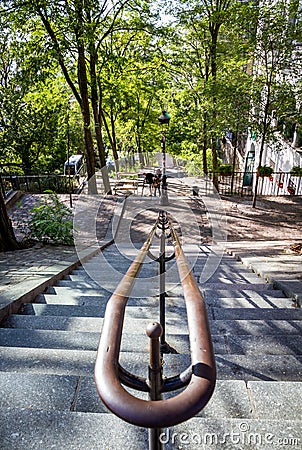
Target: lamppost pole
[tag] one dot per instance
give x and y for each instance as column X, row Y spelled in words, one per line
column 68, row 156
column 164, row 119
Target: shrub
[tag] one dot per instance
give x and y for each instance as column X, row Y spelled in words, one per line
column 296, row 171
column 265, row 171
column 51, row 221
column 225, row 169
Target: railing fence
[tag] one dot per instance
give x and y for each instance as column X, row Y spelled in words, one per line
column 242, row 183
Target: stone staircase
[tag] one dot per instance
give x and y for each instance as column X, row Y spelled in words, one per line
column 49, row 400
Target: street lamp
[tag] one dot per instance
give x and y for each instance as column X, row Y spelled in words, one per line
column 164, row 119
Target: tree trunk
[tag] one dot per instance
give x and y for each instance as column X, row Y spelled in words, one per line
column 97, row 122
column 7, row 237
column 90, row 157
column 204, row 146
column 83, row 87
column 215, row 163
column 265, row 129
column 115, row 154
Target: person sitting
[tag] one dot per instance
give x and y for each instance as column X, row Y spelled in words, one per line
column 149, row 178
column 157, row 182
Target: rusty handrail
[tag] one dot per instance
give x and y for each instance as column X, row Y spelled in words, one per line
column 156, row 413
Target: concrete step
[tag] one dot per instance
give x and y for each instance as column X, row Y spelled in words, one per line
column 73, row 291
column 97, row 271
column 256, row 313
column 76, row 296
column 23, row 429
column 230, row 275
column 232, row 292
column 69, row 297
column 219, row 286
column 256, row 328
column 240, row 302
column 231, row 399
column 143, row 287
column 67, row 340
column 233, row 434
column 94, row 324
column 86, row 324
column 76, row 362
column 91, row 310
column 240, row 345
column 246, row 367
column 65, row 430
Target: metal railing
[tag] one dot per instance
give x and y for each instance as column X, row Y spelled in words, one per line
column 198, row 379
column 242, row 183
column 38, row 184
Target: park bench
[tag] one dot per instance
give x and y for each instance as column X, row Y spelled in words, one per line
column 126, row 181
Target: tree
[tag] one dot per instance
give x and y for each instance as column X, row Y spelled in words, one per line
column 273, row 63
column 8, row 240
column 211, row 71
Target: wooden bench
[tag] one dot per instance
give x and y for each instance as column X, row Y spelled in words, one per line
column 123, row 183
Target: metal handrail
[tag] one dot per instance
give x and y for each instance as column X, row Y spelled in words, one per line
column 201, row 383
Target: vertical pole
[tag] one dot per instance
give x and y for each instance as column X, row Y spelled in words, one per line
column 162, row 282
column 164, row 193
column 154, row 331
column 68, row 154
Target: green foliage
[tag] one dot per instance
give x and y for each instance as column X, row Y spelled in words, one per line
column 51, row 221
column 296, row 171
column 225, row 169
column 265, row 171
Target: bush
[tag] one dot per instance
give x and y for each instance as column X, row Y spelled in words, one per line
column 265, row 171
column 296, row 171
column 51, row 221
column 225, row 169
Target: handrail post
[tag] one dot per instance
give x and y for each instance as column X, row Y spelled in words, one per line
column 162, row 282
column 154, row 331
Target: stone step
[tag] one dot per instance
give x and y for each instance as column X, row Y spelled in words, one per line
column 97, row 271
column 76, row 362
column 239, row 345
column 219, row 286
column 246, row 367
column 68, row 297
column 143, row 287
column 87, row 324
column 256, row 328
column 233, row 434
column 230, row 276
column 23, row 429
column 256, row 313
column 231, row 399
column 95, row 300
column 136, row 326
column 240, row 302
column 144, row 312
column 73, row 291
column 67, row 340
column 230, row 292
column 77, row 296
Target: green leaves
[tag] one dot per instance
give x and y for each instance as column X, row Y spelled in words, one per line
column 51, row 221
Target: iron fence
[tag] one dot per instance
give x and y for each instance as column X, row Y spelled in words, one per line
column 38, row 184
column 242, row 183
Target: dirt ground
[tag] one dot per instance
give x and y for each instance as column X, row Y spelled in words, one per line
column 274, row 218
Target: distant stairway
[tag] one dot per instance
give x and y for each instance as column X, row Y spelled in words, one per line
column 47, row 356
